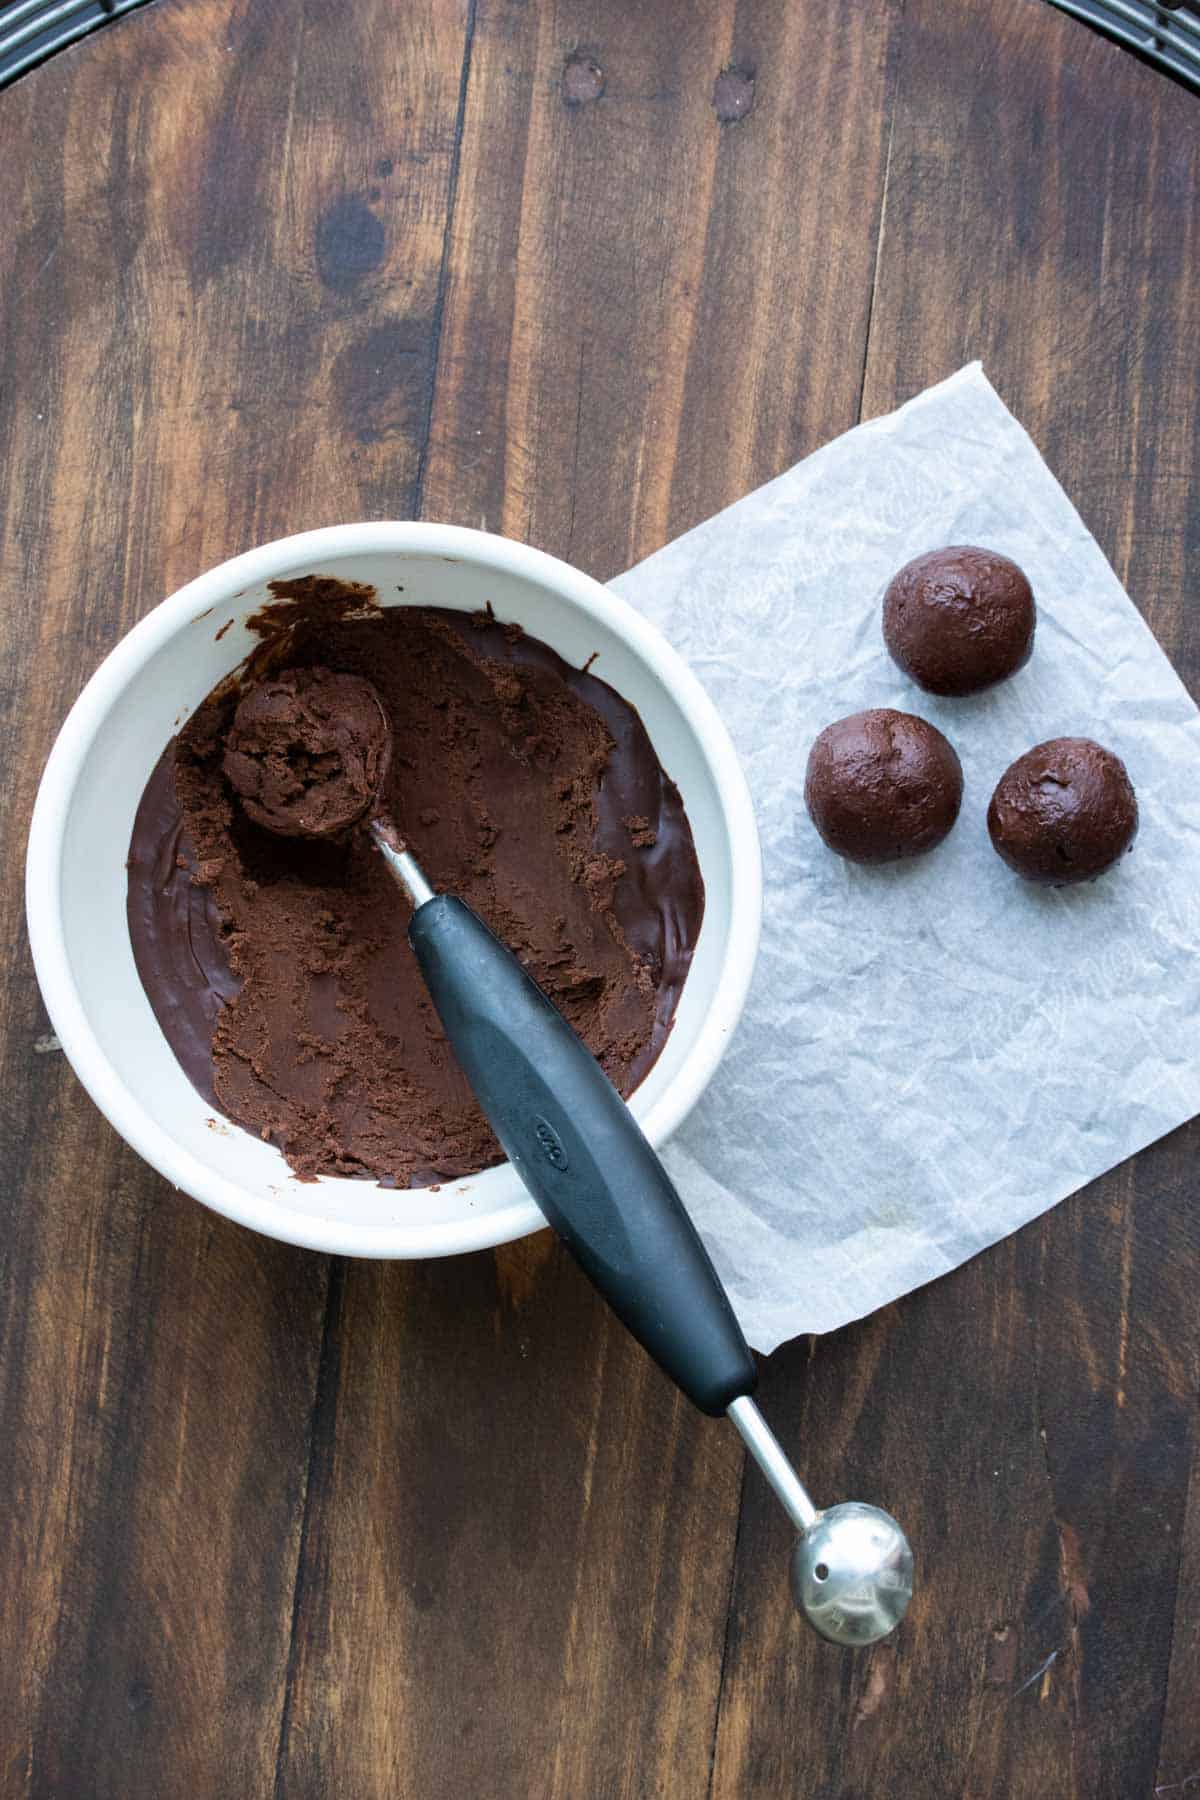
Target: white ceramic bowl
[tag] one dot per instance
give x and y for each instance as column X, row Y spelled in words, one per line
column 141, row 694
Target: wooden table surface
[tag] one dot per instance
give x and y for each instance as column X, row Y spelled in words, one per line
column 581, row 271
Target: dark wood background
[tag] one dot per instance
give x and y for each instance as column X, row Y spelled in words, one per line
column 581, row 271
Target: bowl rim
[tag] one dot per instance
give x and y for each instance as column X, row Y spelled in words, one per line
column 103, row 690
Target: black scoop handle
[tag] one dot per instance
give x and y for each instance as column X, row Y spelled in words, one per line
column 580, row 1152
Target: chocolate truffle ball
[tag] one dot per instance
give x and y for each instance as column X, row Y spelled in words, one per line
column 307, row 751
column 882, row 785
column 959, row 620
column 1063, row 812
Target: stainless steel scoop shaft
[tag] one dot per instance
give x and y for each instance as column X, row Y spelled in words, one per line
column 768, row 1453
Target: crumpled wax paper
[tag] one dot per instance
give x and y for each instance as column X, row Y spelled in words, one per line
column 933, row 1052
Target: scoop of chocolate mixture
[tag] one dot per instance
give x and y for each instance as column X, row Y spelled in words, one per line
column 278, row 965
column 959, row 620
column 1064, row 812
column 307, row 751
column 882, row 785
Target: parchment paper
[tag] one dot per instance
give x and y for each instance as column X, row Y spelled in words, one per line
column 935, row 1052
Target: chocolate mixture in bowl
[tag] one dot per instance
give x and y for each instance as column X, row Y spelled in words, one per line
column 277, row 965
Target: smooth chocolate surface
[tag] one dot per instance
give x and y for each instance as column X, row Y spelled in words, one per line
column 959, row 620
column 882, row 785
column 1064, row 812
column 278, row 967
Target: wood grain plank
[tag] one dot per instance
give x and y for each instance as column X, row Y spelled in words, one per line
column 538, row 1463
column 220, row 291
column 1117, row 1349
column 1178, row 1770
column 1088, row 164
column 517, row 1546
column 649, row 309
column 591, row 397
column 144, row 1520
column 1029, row 1416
